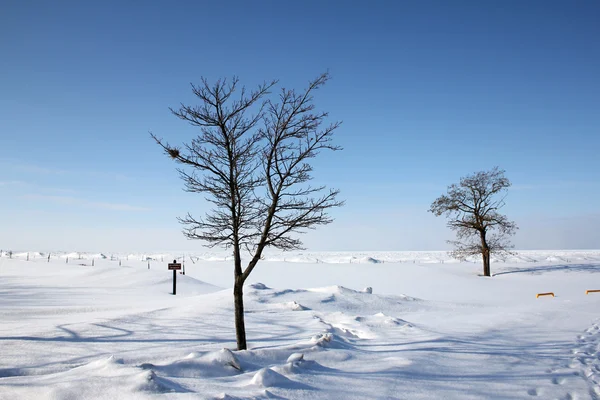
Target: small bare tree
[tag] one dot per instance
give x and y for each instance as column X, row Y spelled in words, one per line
column 472, row 208
column 252, row 161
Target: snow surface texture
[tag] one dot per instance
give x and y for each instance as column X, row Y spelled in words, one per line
column 405, row 325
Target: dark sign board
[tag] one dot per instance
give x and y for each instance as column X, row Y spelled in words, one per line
column 174, row 266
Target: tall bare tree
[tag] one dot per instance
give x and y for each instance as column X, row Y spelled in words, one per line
column 472, row 209
column 252, row 161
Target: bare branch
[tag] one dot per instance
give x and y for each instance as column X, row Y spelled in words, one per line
column 251, row 159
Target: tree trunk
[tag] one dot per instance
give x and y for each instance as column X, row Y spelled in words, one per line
column 486, row 262
column 485, row 253
column 238, row 300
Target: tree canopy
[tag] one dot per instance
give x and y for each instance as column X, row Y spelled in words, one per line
column 472, row 208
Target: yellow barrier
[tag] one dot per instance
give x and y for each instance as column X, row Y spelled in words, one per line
column 591, row 291
column 544, row 294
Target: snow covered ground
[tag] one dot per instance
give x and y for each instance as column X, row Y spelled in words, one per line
column 430, row 328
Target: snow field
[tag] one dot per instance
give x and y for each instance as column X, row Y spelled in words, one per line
column 426, row 330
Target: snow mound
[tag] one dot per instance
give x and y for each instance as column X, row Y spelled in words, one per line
column 346, row 326
column 259, row 286
column 224, row 357
column 148, row 381
column 266, row 377
column 214, row 364
column 322, row 339
column 108, row 365
column 380, row 319
column 294, row 306
column 295, row 357
column 111, row 379
column 225, row 396
column 186, row 285
column 336, row 289
column 351, row 327
column 332, row 299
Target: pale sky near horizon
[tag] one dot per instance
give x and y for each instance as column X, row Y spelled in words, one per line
column 428, row 91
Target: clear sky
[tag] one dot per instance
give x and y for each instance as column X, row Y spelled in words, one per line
column 428, row 91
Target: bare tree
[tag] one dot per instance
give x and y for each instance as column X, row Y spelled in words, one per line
column 252, row 161
column 472, row 208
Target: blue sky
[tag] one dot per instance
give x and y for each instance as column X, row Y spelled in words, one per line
column 428, row 91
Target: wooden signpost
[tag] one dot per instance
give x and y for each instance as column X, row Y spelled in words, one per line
column 175, row 266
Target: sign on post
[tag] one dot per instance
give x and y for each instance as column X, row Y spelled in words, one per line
column 174, row 266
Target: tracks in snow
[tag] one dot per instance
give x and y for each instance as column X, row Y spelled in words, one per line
column 586, row 359
column 584, row 363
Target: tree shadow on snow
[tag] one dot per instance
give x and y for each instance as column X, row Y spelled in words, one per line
column 180, row 331
column 591, row 268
